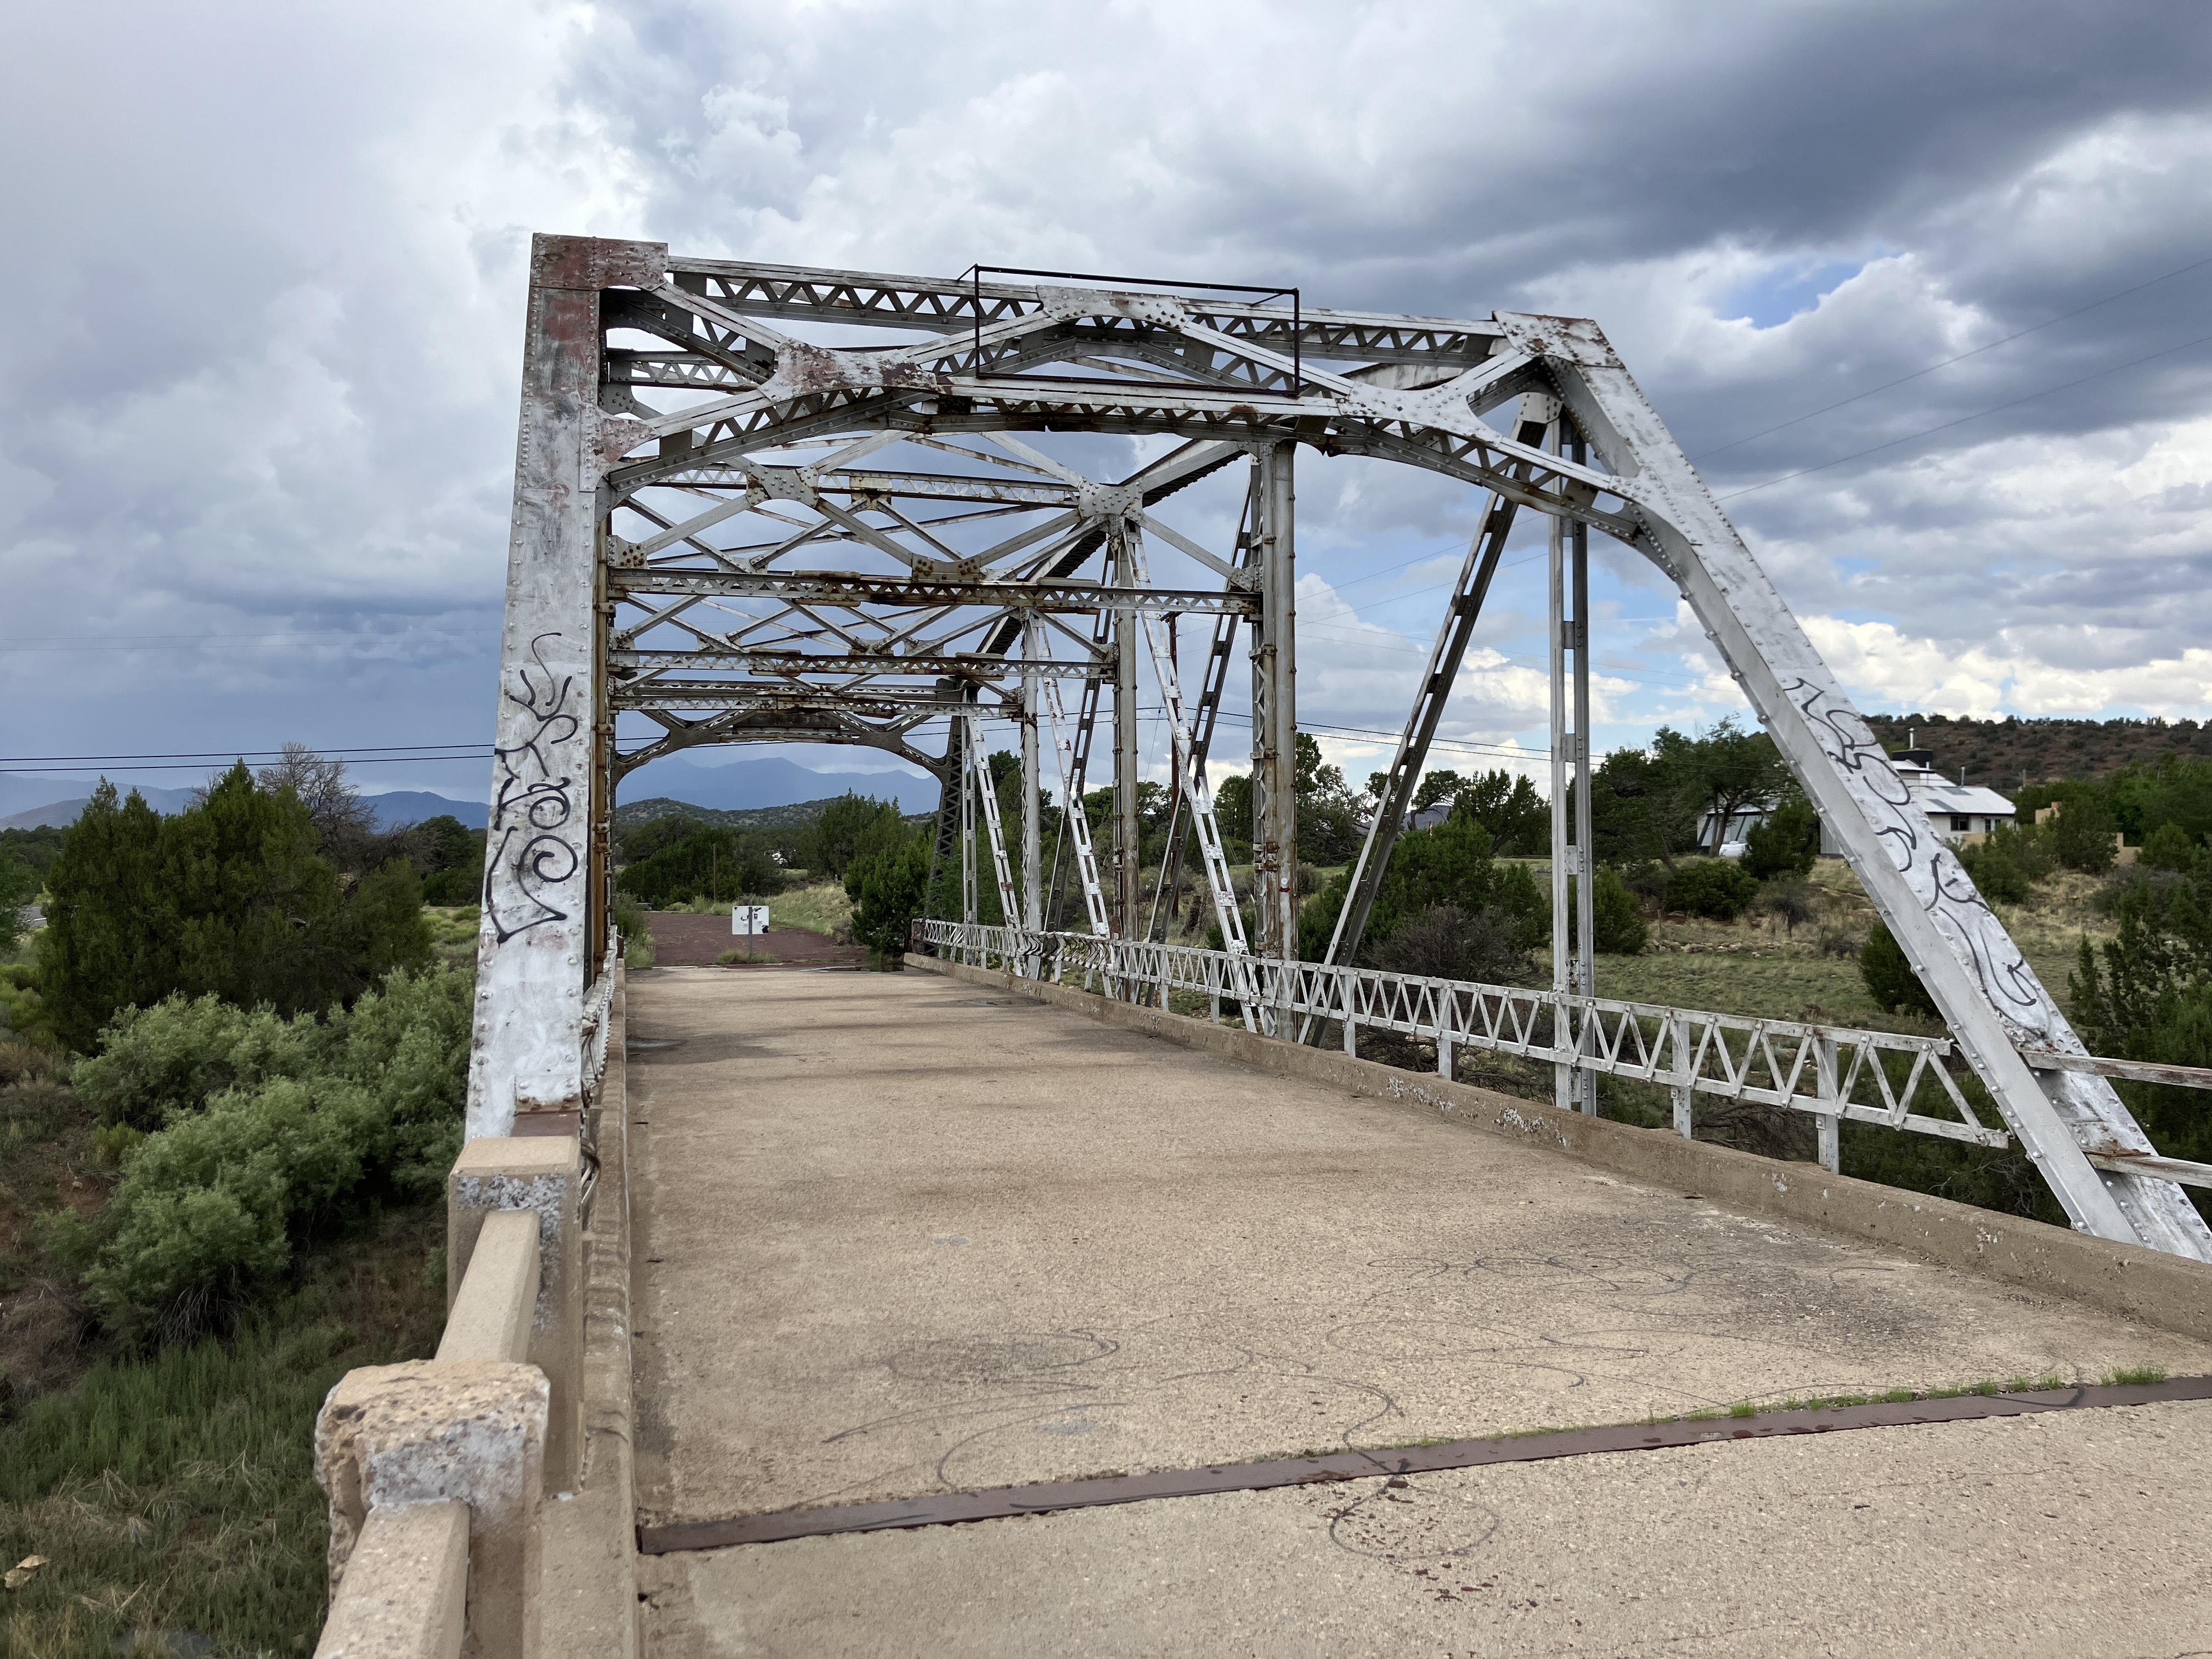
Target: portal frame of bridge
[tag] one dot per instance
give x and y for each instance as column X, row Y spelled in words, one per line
column 627, row 457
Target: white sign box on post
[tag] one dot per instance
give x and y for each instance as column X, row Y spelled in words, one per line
column 748, row 921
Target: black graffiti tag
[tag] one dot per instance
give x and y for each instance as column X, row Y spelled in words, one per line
column 531, row 803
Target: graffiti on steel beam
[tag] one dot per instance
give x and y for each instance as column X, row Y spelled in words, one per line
column 534, row 860
column 1945, row 890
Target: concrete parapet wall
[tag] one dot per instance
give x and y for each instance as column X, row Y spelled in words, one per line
column 429, row 1431
column 406, row 1586
column 2144, row 1284
column 544, row 1176
column 590, row 1534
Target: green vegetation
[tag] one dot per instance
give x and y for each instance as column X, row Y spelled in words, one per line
column 231, row 898
column 824, row 908
column 854, row 827
column 226, row 1198
column 678, row 859
column 176, row 1492
column 1718, row 888
column 256, row 1129
column 1890, row 980
column 1786, row 844
column 2014, row 753
column 38, row 848
column 889, row 888
column 1500, row 914
column 2147, row 995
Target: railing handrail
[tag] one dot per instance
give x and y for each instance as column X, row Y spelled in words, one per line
column 1691, row 1051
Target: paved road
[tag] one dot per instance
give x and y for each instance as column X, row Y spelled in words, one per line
column 899, row 1236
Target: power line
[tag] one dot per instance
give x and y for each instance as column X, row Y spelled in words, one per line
column 240, row 754
column 1995, row 409
column 1918, row 373
column 201, row 766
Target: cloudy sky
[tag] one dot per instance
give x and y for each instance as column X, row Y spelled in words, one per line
column 263, row 326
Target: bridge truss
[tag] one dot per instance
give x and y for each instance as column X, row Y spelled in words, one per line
column 763, row 503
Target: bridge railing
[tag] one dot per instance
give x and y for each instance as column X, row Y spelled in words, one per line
column 1831, row 1072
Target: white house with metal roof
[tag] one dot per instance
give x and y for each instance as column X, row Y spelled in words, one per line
column 1957, row 811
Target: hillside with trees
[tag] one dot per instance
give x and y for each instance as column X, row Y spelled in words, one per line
column 2011, row 752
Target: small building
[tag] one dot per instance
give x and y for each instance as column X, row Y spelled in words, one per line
column 1959, row 812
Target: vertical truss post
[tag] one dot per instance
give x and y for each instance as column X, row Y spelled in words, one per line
column 1274, row 712
column 966, row 835
column 1683, row 1088
column 1127, row 828
column 543, row 915
column 1033, row 648
column 1566, row 1079
column 949, row 785
column 1831, row 1123
column 1585, row 870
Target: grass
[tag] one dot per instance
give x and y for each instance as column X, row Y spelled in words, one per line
column 739, row 958
column 2135, row 1373
column 452, row 934
column 823, row 908
column 176, row 1492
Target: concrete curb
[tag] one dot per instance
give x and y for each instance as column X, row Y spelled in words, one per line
column 590, row 1580
column 2140, row 1284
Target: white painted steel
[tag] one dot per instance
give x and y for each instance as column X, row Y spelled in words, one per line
column 1074, row 826
column 986, row 797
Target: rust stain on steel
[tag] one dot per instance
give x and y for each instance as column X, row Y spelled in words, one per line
column 1000, row 1503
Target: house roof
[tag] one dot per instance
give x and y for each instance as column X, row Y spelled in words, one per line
column 1934, row 796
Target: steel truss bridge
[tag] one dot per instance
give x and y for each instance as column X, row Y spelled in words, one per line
column 766, row 503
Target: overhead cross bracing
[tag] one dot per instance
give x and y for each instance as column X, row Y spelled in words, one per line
column 761, row 503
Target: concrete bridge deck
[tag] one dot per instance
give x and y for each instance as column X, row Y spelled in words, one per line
column 897, row 1235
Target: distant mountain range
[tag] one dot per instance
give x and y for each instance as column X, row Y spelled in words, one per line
column 765, row 791
column 393, row 808
column 632, row 813
column 750, row 784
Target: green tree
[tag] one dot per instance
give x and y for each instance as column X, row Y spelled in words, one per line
column 229, row 898
column 715, row 863
column 1617, row 924
column 1720, row 888
column 111, row 936
column 1889, row 977
column 642, row 840
column 1451, row 864
column 1329, row 827
column 889, row 887
column 450, row 857
column 851, row 827
column 2169, row 846
column 1786, row 843
column 2082, row 833
column 1646, row 804
column 19, row 885
column 1507, row 805
column 1432, row 789
column 2147, row 995
column 1736, row 770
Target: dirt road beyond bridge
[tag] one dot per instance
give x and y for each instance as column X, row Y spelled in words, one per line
column 899, row 1236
